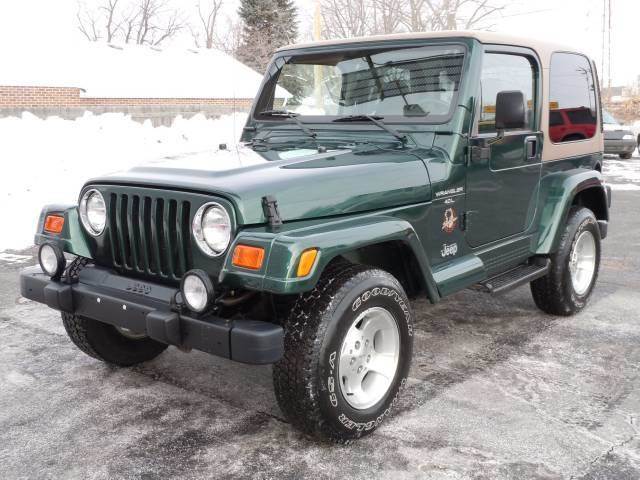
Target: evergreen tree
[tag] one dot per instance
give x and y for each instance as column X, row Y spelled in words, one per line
column 267, row 25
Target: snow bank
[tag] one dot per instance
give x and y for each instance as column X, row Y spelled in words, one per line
column 48, row 161
column 624, row 187
column 622, row 171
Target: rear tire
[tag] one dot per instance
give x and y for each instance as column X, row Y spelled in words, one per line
column 566, row 289
column 105, row 343
column 626, row 156
column 334, row 381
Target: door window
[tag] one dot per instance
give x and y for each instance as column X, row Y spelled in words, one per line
column 502, row 72
column 572, row 97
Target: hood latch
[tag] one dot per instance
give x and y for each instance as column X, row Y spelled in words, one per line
column 270, row 209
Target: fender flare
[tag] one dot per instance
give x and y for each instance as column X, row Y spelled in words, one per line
column 72, row 239
column 332, row 239
column 557, row 192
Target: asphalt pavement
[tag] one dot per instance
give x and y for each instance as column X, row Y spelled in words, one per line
column 498, row 390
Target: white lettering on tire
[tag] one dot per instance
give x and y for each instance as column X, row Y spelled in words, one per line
column 366, row 426
column 385, row 292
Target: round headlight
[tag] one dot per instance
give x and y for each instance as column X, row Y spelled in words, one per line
column 197, row 290
column 212, row 229
column 93, row 212
column 52, row 260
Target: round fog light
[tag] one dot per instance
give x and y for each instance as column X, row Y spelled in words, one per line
column 52, row 260
column 197, row 290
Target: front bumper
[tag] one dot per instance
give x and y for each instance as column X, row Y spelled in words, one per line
column 107, row 297
column 618, row 146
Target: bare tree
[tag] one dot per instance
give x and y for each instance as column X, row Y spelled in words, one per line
column 143, row 22
column 480, row 12
column 100, row 22
column 205, row 34
column 172, row 26
column 231, row 39
column 109, row 9
column 155, row 22
column 415, row 17
column 465, row 14
column 88, row 22
column 128, row 23
column 387, row 15
column 345, row 18
column 352, row 18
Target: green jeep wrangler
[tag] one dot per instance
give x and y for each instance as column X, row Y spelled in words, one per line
column 372, row 171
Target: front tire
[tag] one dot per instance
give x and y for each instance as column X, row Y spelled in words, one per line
column 566, row 289
column 348, row 349
column 626, row 156
column 105, row 343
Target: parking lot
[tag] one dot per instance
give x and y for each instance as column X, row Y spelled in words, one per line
column 498, row 390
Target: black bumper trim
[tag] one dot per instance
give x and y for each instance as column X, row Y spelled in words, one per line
column 107, row 297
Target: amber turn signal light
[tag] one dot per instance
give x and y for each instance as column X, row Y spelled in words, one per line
column 307, row 260
column 53, row 224
column 248, row 257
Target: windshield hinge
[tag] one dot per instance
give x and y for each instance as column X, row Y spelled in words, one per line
column 270, row 209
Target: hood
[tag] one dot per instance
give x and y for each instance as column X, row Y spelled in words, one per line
column 306, row 184
column 612, row 127
column 618, row 134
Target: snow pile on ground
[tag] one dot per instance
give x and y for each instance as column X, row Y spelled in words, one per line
column 623, row 175
column 7, row 258
column 48, row 161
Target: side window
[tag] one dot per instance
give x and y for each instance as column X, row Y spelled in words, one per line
column 572, row 99
column 502, row 72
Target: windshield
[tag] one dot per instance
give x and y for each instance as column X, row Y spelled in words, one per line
column 415, row 84
column 608, row 119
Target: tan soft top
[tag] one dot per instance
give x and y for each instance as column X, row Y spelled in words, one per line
column 543, row 48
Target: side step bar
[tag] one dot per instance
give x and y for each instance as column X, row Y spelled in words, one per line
column 517, row 277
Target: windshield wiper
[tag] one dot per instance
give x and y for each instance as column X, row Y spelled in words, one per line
column 376, row 120
column 293, row 116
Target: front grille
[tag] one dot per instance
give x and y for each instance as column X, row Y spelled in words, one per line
column 150, row 236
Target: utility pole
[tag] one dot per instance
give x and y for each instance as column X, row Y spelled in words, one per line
column 317, row 22
column 317, row 35
column 609, row 42
column 604, row 40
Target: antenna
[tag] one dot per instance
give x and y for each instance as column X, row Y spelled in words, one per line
column 609, row 42
column 604, row 27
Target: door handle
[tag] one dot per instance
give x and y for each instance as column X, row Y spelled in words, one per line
column 531, row 147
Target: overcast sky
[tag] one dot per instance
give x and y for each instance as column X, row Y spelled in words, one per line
column 29, row 24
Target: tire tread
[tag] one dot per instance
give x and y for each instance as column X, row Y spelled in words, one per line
column 295, row 376
column 548, row 292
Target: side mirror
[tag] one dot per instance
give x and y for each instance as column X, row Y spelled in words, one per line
column 510, row 111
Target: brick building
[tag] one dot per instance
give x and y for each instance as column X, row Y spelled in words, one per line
column 34, row 97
